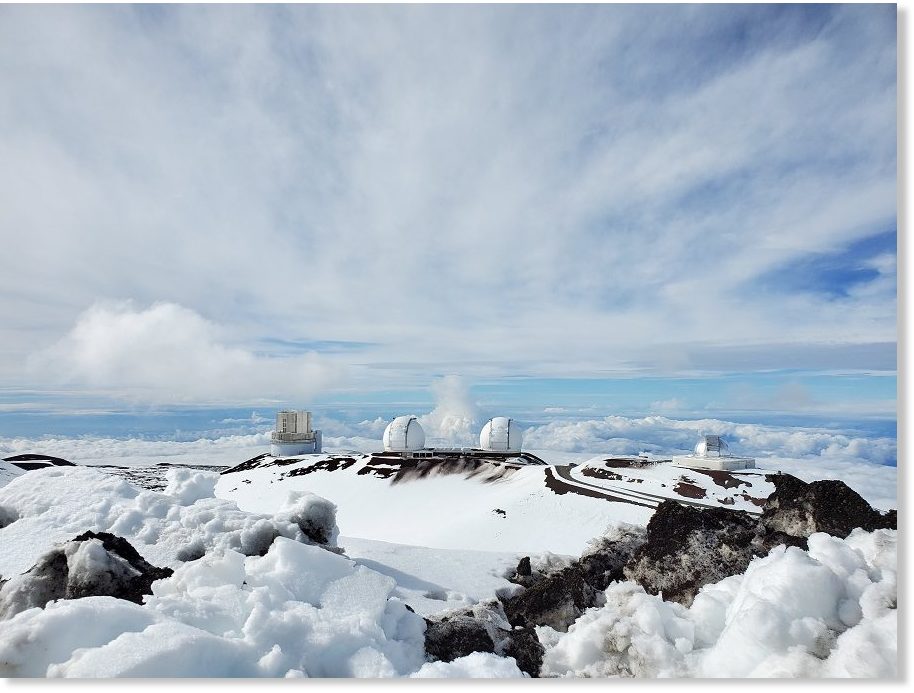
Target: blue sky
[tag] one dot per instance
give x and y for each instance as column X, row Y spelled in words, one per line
column 680, row 209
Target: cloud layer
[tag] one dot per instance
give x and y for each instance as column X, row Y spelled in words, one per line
column 555, row 190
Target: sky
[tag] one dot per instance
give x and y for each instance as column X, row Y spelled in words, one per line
column 624, row 209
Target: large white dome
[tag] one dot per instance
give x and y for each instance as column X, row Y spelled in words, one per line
column 501, row 434
column 712, row 446
column 404, row 433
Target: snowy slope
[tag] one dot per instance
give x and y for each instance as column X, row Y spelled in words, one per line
column 432, row 580
column 8, row 472
column 490, row 505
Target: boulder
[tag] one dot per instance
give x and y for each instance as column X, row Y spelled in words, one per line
column 688, row 548
column 555, row 600
column 91, row 564
column 799, row 509
column 482, row 628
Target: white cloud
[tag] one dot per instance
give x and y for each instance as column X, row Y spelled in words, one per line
column 660, row 434
column 484, row 190
column 168, row 353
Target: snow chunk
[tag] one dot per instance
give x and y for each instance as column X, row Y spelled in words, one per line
column 189, row 486
column 315, row 516
column 479, row 665
column 52, row 505
column 828, row 611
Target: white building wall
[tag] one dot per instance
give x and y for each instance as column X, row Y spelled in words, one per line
column 724, row 463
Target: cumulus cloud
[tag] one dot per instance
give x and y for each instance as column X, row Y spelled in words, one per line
column 169, row 353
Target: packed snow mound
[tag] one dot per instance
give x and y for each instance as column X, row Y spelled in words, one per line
column 296, row 611
column 52, row 505
column 829, row 611
column 89, row 565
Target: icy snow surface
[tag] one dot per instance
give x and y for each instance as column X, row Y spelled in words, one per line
column 830, row 611
column 301, row 610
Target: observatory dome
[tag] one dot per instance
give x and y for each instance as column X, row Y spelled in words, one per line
column 501, row 434
column 712, row 446
column 404, row 433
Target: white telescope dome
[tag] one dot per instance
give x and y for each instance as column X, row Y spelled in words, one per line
column 712, row 446
column 501, row 434
column 404, row 433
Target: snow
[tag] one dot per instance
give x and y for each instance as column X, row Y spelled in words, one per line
column 441, row 511
column 828, row 611
column 297, row 609
column 252, row 595
column 523, row 510
column 433, row 580
column 8, row 472
column 476, row 665
column 57, row 503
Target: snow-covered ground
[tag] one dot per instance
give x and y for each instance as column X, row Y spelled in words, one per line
column 302, row 610
column 436, row 543
column 491, row 507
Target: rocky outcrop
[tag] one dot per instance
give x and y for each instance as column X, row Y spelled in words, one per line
column 92, row 564
column 799, row 509
column 555, row 600
column 456, row 636
column 682, row 549
column 557, row 597
column 688, row 548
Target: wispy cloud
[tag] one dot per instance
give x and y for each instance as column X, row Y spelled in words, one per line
column 488, row 190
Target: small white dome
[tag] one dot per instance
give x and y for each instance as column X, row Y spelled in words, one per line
column 501, row 434
column 712, row 446
column 404, row 433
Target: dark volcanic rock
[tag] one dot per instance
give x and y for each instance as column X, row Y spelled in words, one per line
column 92, row 564
column 687, row 548
column 482, row 628
column 523, row 567
column 557, row 597
column 800, row 509
column 556, row 600
column 606, row 558
column 456, row 636
column 525, row 647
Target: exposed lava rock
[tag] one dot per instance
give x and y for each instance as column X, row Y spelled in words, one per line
column 482, row 628
column 557, row 597
column 523, row 567
column 456, row 636
column 555, row 600
column 606, row 558
column 800, row 509
column 525, row 647
column 687, row 548
column 92, row 564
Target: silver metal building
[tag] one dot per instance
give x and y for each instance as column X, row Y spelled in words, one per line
column 293, row 434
